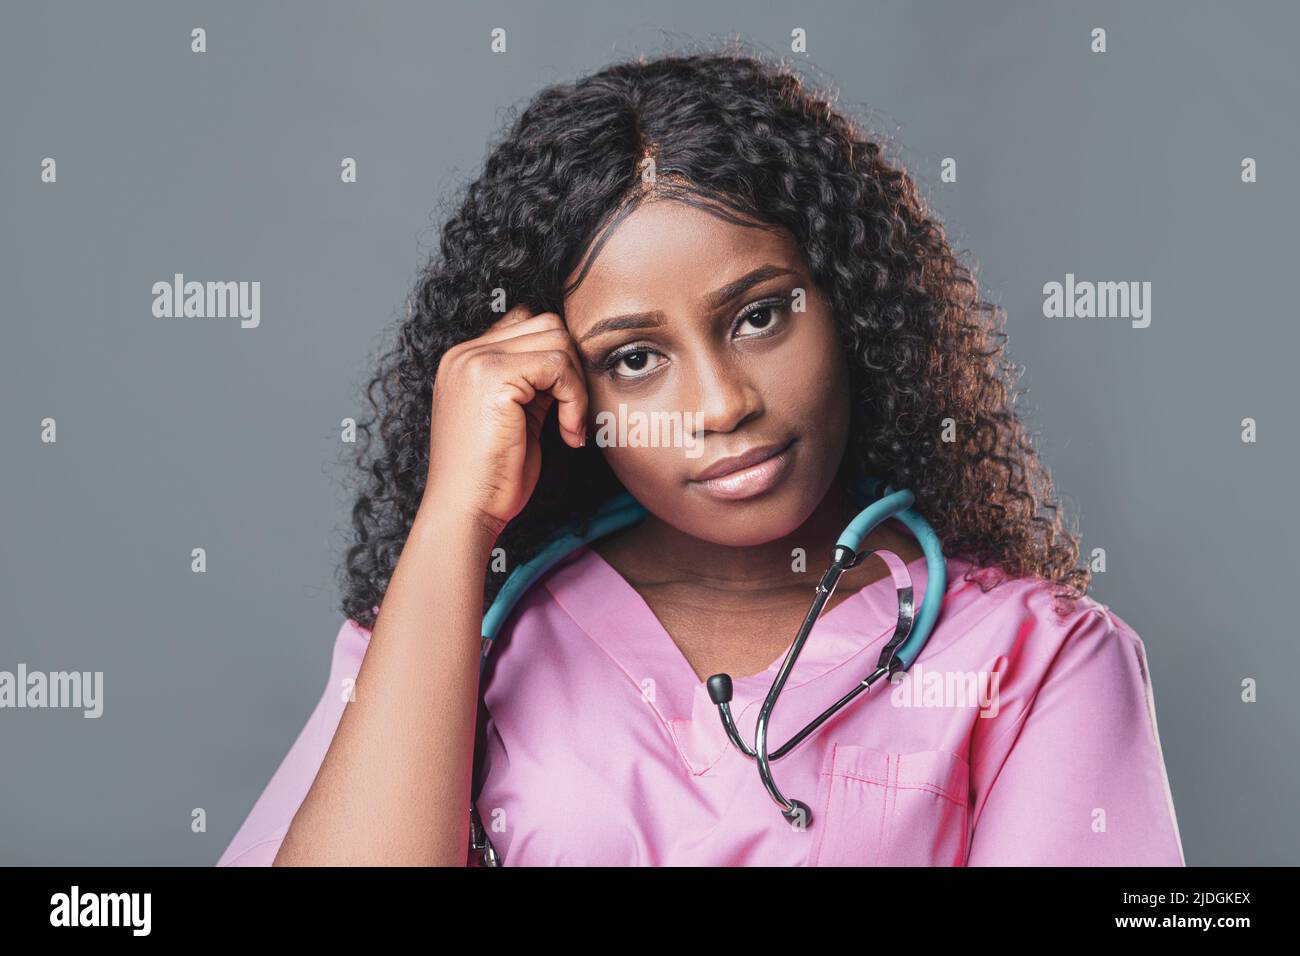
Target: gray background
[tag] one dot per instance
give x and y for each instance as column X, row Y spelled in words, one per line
column 225, row 165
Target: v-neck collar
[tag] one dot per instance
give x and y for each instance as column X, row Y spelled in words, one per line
column 839, row 652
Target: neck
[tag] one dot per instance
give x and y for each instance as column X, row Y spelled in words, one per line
column 759, row 568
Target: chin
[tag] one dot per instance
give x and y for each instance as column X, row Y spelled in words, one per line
column 752, row 521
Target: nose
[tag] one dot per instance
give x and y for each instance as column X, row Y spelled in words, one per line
column 723, row 394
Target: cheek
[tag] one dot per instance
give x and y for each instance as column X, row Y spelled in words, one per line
column 811, row 380
column 612, row 399
column 612, row 417
column 649, row 474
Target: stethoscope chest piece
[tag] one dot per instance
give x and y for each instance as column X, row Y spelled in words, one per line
column 898, row 653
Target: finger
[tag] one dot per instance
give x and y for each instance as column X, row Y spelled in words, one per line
column 513, row 317
column 540, row 339
column 570, row 393
column 520, row 323
column 516, row 313
column 550, row 370
column 532, row 338
column 536, row 413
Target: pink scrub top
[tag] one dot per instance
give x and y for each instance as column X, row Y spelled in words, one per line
column 1016, row 738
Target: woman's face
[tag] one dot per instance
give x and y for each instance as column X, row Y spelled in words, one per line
column 706, row 327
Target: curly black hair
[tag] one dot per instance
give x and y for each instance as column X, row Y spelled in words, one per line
column 933, row 403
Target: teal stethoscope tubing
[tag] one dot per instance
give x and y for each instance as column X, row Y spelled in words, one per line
column 898, row 654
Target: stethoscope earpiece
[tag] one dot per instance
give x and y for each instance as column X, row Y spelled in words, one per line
column 720, row 689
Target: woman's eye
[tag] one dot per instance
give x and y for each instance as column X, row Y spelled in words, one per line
column 637, row 362
column 763, row 316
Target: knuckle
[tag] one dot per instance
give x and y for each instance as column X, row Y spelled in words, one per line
column 479, row 365
column 560, row 335
column 557, row 360
column 455, row 356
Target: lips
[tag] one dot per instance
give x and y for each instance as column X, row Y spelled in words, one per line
column 734, row 463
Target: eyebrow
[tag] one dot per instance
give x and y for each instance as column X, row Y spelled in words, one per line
column 715, row 299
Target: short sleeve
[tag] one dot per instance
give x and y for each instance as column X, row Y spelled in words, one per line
column 1083, row 780
column 258, row 839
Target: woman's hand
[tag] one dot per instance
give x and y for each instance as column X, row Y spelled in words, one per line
column 490, row 397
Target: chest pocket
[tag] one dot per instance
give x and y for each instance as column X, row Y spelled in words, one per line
column 882, row 808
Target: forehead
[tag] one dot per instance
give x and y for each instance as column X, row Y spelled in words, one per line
column 667, row 250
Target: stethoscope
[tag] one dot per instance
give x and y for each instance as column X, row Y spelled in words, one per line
column 909, row 637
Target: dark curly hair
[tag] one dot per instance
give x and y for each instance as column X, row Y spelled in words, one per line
column 752, row 136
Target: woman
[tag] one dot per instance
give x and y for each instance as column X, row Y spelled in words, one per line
column 705, row 236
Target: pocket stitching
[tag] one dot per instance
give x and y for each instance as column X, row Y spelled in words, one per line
column 958, row 793
column 932, row 788
column 888, row 805
column 825, row 807
column 892, row 783
column 894, row 761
